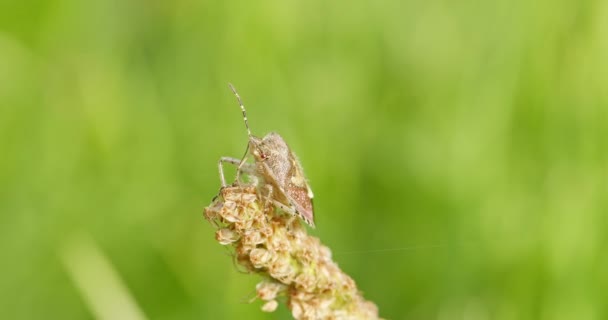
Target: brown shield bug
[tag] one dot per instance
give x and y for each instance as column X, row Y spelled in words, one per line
column 282, row 173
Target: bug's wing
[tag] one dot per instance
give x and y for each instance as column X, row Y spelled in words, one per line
column 269, row 176
column 303, row 204
column 290, row 186
column 299, row 193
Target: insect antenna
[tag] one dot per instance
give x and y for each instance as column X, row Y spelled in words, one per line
column 238, row 98
column 244, row 158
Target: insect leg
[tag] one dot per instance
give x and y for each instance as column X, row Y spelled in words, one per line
column 268, row 196
column 291, row 210
column 287, row 209
column 242, row 167
column 242, row 162
column 268, row 199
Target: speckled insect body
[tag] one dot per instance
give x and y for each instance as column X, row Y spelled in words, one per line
column 282, row 173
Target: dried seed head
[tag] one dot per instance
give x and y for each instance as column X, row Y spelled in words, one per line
column 210, row 214
column 226, row 236
column 253, row 238
column 281, row 267
column 293, row 263
column 306, row 282
column 270, row 306
column 260, row 257
column 268, row 290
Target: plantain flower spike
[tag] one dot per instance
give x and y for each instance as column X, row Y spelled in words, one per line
column 296, row 267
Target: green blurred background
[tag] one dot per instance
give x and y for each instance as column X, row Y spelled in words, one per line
column 458, row 152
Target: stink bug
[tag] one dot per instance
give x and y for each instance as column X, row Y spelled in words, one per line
column 278, row 166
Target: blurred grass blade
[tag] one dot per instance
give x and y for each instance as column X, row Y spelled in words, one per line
column 99, row 284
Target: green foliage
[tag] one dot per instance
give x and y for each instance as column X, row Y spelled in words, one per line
column 469, row 136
